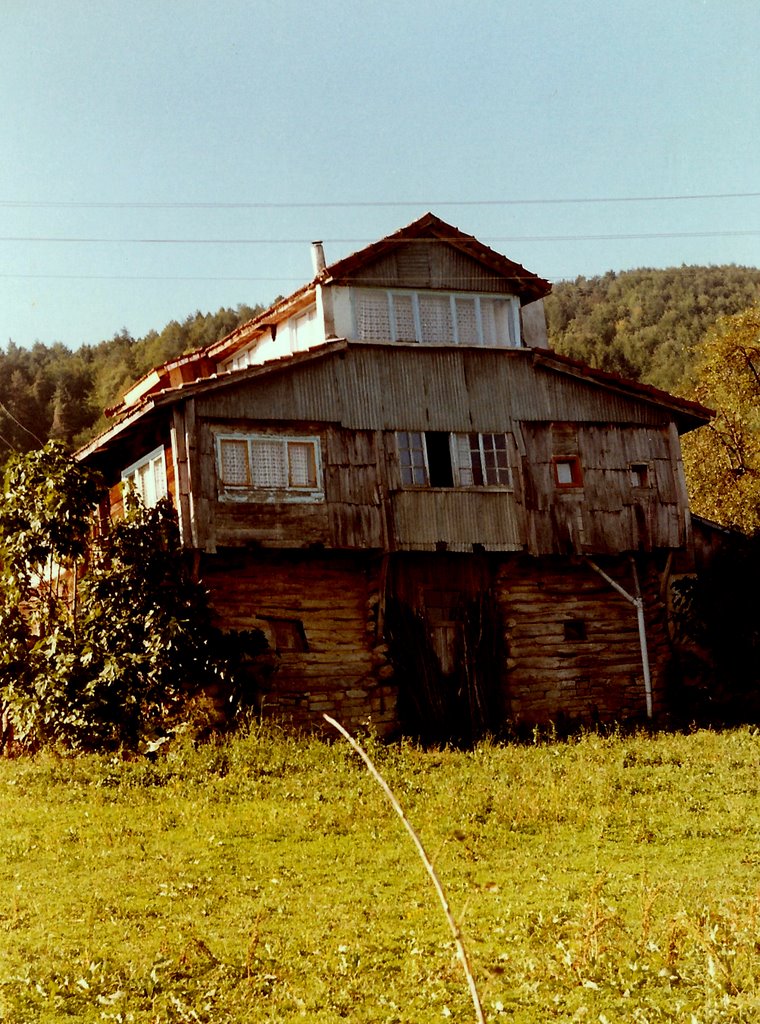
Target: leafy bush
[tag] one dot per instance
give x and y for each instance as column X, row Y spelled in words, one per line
column 106, row 649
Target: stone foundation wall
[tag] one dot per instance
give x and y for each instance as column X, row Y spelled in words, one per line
column 571, row 643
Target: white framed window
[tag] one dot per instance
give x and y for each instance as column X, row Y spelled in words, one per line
column 148, row 477
column 437, row 318
column 251, row 465
column 303, row 329
column 437, row 459
column 482, row 460
column 412, row 454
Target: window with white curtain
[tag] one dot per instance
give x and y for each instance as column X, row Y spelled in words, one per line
column 252, row 465
column 437, row 318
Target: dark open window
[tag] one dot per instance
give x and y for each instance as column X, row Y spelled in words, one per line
column 439, row 458
column 289, row 634
column 574, row 629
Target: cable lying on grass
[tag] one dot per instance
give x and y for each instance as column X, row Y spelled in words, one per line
column 461, row 951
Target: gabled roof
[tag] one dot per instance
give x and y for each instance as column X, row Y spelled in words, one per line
column 527, row 285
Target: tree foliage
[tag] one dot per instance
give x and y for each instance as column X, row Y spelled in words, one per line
column 646, row 324
column 48, row 391
column 722, row 460
column 45, row 516
column 99, row 646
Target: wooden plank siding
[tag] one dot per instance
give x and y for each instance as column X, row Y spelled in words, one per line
column 430, row 265
column 420, row 387
column 354, row 402
column 606, row 512
column 333, row 601
column 450, row 520
column 572, row 641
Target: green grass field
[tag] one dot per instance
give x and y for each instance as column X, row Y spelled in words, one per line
column 267, row 879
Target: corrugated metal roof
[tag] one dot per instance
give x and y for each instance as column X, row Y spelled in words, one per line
column 374, row 385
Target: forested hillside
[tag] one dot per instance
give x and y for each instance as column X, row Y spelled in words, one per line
column 647, row 324
column 49, row 391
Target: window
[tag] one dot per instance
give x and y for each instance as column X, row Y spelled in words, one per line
column 288, row 634
column 483, row 460
column 247, row 463
column 574, row 630
column 412, row 457
column 303, row 329
column 148, row 477
column 437, row 318
column 438, row 459
column 639, row 472
column 567, row 471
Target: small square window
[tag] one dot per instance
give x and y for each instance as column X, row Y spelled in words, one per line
column 567, row 471
column 574, row 629
column 639, row 474
column 288, row 634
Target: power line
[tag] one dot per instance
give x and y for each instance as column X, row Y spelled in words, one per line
column 368, row 204
column 140, row 277
column 18, row 423
column 363, row 241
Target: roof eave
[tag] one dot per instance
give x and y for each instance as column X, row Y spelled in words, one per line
column 692, row 413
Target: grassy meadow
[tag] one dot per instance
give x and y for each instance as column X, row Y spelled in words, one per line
column 267, row 879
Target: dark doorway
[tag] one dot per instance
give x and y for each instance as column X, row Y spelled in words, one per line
column 442, row 628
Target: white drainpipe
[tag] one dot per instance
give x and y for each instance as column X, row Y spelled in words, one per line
column 638, row 603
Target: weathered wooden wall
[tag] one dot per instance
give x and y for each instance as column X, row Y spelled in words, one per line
column 572, row 641
column 452, row 520
column 331, row 603
column 428, row 264
column 365, row 506
column 365, row 386
column 605, row 513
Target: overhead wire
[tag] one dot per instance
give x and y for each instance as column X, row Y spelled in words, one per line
column 362, row 241
column 365, row 203
column 522, row 239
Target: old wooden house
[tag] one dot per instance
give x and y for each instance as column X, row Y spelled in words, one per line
column 440, row 524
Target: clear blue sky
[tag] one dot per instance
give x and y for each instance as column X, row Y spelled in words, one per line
column 151, row 104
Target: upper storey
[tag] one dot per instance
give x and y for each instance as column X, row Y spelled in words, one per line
column 427, row 283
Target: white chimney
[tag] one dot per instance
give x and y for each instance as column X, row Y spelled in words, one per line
column 318, row 257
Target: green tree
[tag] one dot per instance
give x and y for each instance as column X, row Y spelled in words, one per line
column 45, row 518
column 102, row 640
column 722, row 460
column 646, row 324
